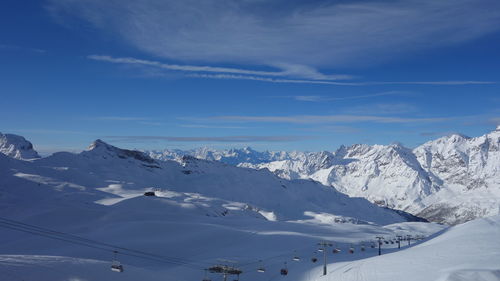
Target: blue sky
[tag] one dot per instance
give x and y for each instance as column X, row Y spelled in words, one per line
column 306, row 75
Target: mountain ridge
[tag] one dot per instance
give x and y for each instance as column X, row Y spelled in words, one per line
column 424, row 181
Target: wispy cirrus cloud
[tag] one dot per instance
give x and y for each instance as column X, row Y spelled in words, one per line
column 120, row 118
column 338, row 83
column 435, row 134
column 200, row 126
column 49, row 131
column 287, row 70
column 313, row 98
column 382, row 109
column 132, row 119
column 222, row 139
column 290, row 74
column 323, row 119
column 322, row 33
column 495, row 121
column 333, row 129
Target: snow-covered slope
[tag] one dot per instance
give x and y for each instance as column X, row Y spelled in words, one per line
column 465, row 252
column 202, row 211
column 118, row 172
column 451, row 180
column 17, row 147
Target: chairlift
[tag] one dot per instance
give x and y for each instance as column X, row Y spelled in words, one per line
column 296, row 258
column 261, row 269
column 284, row 270
column 314, row 259
column 386, row 242
column 362, row 248
column 351, row 250
column 320, row 250
column 336, row 251
column 372, row 245
column 392, row 242
column 116, row 265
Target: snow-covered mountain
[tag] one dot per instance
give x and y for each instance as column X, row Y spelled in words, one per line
column 108, row 174
column 229, row 156
column 451, row 180
column 17, row 147
column 202, row 211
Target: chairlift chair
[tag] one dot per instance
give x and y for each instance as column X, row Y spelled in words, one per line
column 314, row 260
column 336, row 251
column 362, row 248
column 284, row 270
column 261, row 269
column 116, row 265
column 351, row 250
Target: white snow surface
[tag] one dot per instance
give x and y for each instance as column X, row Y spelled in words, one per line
column 450, row 180
column 205, row 211
column 467, row 252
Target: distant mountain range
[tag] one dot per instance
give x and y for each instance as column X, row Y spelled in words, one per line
column 450, row 180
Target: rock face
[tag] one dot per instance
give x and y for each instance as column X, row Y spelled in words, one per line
column 17, row 147
column 450, row 180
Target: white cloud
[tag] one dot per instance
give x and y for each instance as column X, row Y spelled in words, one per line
column 200, row 126
column 291, row 75
column 120, row 118
column 287, row 69
column 309, row 98
column 382, row 109
column 220, row 139
column 337, row 83
column 314, row 33
column 351, row 97
column 495, row 120
column 321, row 119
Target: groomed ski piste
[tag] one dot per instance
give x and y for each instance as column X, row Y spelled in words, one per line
column 63, row 217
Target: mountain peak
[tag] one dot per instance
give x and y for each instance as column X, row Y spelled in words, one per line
column 17, row 147
column 98, row 143
column 101, row 147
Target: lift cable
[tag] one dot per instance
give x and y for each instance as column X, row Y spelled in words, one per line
column 81, row 243
column 95, row 247
column 71, row 236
